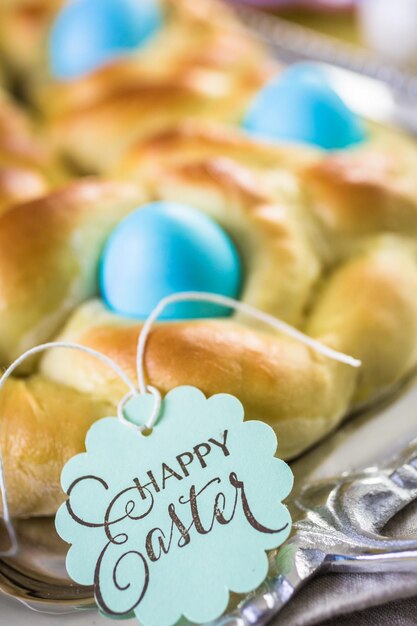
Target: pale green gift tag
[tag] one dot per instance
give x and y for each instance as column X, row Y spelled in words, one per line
column 166, row 525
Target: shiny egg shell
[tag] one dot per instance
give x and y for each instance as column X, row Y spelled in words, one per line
column 87, row 34
column 165, row 248
column 300, row 106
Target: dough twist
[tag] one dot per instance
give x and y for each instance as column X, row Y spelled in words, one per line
column 201, row 64
column 27, row 167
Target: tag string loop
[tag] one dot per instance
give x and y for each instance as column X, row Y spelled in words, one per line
column 242, row 307
column 142, row 387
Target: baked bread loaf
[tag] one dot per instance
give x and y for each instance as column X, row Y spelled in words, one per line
column 23, row 28
column 310, row 259
column 27, row 167
column 202, row 64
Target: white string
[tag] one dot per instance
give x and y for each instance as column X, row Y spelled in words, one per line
column 231, row 303
column 71, row 346
column 46, row 346
column 150, row 422
column 143, row 388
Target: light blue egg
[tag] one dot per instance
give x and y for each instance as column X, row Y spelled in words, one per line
column 87, row 34
column 301, row 106
column 164, row 248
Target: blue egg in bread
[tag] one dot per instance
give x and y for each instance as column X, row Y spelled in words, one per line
column 300, row 106
column 164, row 248
column 87, row 34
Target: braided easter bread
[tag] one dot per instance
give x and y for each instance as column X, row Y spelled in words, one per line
column 202, row 64
column 308, row 259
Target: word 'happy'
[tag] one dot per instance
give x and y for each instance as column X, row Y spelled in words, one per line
column 183, row 460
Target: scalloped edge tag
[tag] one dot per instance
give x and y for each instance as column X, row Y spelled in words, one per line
column 167, row 525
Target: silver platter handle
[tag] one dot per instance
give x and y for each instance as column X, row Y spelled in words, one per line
column 339, row 530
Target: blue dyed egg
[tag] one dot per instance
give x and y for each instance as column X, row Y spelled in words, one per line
column 89, row 33
column 301, row 106
column 164, row 248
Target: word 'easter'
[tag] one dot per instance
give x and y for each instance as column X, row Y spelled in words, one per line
column 153, row 516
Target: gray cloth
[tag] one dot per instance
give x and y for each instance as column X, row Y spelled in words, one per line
column 359, row 599
column 342, row 594
column 402, row 613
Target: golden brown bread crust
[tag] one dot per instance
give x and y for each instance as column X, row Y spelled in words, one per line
column 23, row 28
column 45, row 426
column 193, row 142
column 18, row 184
column 353, row 288
column 367, row 307
column 27, row 167
column 278, row 380
column 197, row 38
column 202, row 64
column 367, row 190
column 48, row 257
column 299, row 393
column 361, row 259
